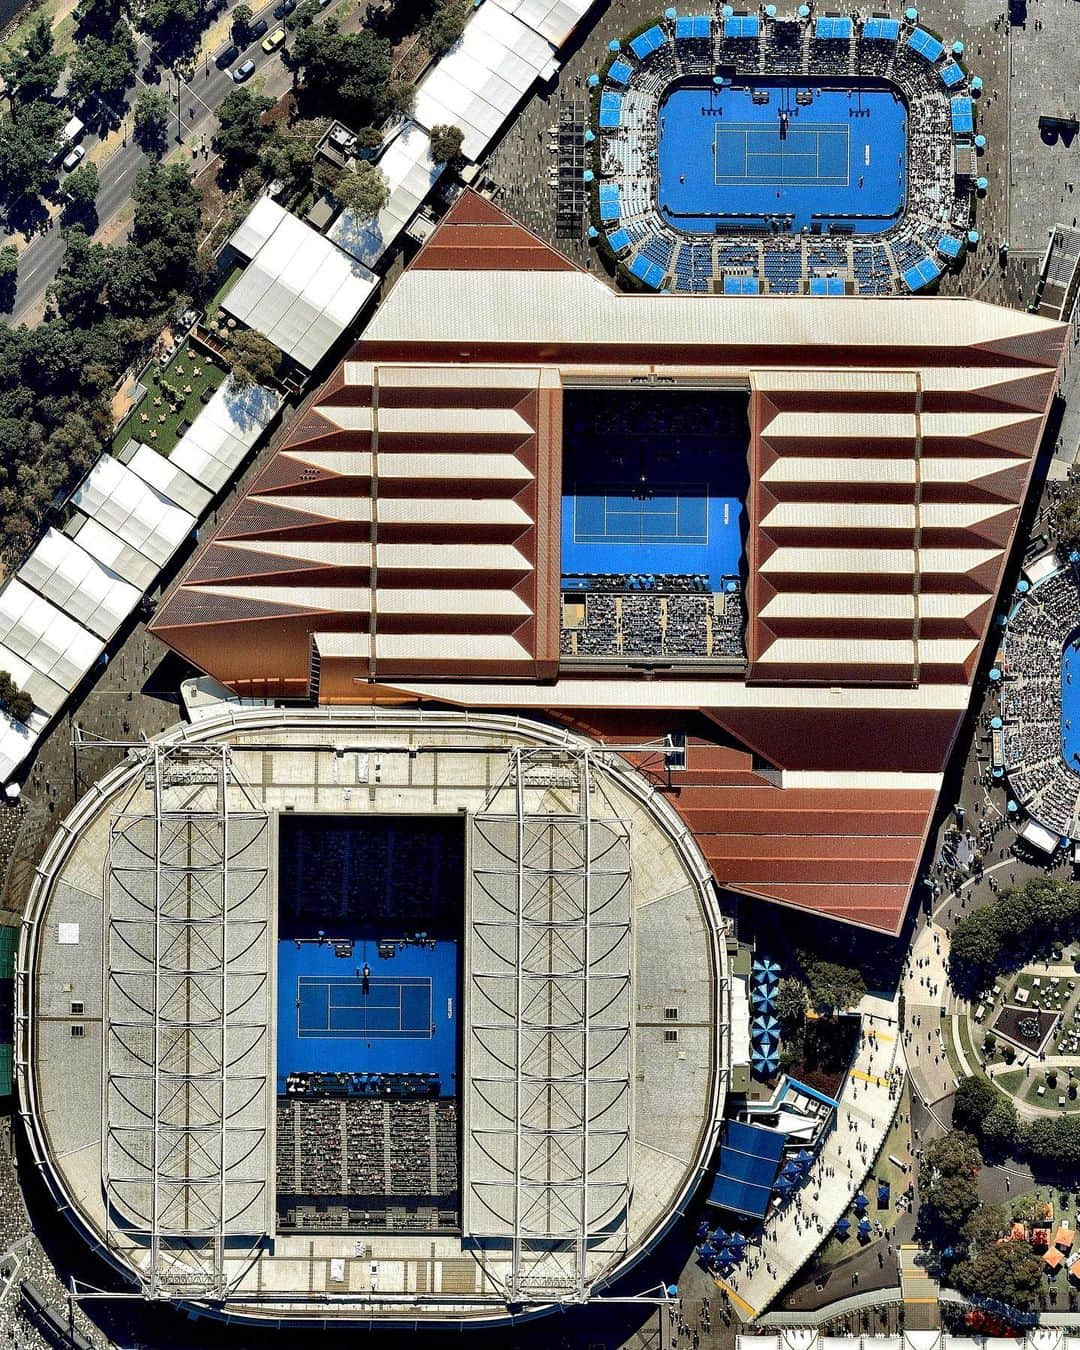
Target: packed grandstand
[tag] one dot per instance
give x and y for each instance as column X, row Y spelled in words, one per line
column 786, row 154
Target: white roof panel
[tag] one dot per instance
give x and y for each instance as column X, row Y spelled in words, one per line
column 64, row 573
column 224, row 432
column 112, row 494
column 170, row 480
column 299, row 290
column 45, row 637
column 554, row 20
column 117, row 556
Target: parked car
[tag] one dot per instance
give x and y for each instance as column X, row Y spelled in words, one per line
column 283, row 10
column 244, row 72
column 274, row 41
column 258, row 30
column 73, row 157
column 227, row 57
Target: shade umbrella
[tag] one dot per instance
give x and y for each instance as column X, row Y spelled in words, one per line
column 911, row 14
column 958, row 49
column 762, row 1000
column 980, row 142
column 669, row 13
column 784, row 1187
column 843, row 1227
column 770, row 11
column 1011, row 807
column 613, row 45
column 861, row 1202
column 703, row 1229
column 765, row 1026
column 995, row 724
column 791, row 1172
column 593, row 80
column 764, row 966
column 738, row 1241
column 883, row 1193
column 803, row 11
column 719, row 1237
column 590, row 136
column 706, row 1250
column 973, row 236
column 976, row 84
column 995, row 673
column 804, row 1156
column 1022, row 587
column 981, row 185
column 864, row 1228
column 770, row 1066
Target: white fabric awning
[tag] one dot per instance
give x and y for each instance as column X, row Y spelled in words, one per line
column 139, row 515
column 45, row 637
column 170, row 480
column 222, row 435
column 410, row 175
column 299, row 289
column 66, row 575
column 554, row 20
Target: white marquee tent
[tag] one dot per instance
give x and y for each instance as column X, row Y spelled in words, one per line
column 299, row 290
column 135, row 512
column 484, row 76
column 410, row 175
column 224, row 432
column 76, row 582
column 554, row 20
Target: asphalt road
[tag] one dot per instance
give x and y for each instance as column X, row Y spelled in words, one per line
column 200, row 97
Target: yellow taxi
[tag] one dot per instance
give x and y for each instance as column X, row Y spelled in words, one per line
column 274, row 41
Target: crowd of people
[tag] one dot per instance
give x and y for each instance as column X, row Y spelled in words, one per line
column 353, row 1164
column 654, row 623
column 1040, row 776
column 939, row 199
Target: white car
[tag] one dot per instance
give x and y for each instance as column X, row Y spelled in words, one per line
column 72, row 158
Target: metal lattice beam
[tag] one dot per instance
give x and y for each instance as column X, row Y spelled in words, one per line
column 186, row 1163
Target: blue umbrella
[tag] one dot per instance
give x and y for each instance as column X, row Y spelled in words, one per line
column 727, row 11
column 770, row 1066
column 589, row 136
column 784, row 1187
column 995, row 724
column 791, row 1172
column 958, row 49
column 593, row 80
column 843, row 1227
column 669, row 13
column 719, row 1237
column 981, row 184
column 883, row 1193
column 703, row 1229
column 761, row 1000
column 995, row 673
column 763, row 966
column 738, row 1241
column 911, row 14
column 803, row 11
column 588, row 176
column 1011, row 807
column 804, row 1156
column 973, row 236
column 861, row 1202
column 613, row 45
column 770, row 11
column 976, row 84
column 980, row 142
column 765, row 1026
column 1022, row 587
column 594, row 233
column 706, row 1250
column 864, row 1228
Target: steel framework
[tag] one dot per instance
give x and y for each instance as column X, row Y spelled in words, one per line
column 548, row 1086
column 187, row 1092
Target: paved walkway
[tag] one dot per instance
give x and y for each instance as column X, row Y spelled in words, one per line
column 868, row 1102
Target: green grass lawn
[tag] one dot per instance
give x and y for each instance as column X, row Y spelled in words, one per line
column 159, row 420
column 230, row 275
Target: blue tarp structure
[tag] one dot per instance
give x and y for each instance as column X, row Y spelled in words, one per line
column 833, row 28
column 826, row 286
column 742, row 26
column 620, row 72
column 610, row 110
column 749, row 1159
column 921, row 274
column 648, row 41
column 925, row 44
column 950, row 246
column 648, row 272
column 963, row 115
column 881, row 30
column 693, row 26
column 618, row 239
column 610, row 202
column 951, row 75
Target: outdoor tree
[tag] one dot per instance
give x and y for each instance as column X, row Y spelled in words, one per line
column 350, row 73
column 166, row 227
column 833, row 987
column 27, row 148
column 78, row 290
column 242, row 16
column 9, row 262
column 1007, row 1271
column 32, row 69
column 254, row 359
column 159, row 15
column 303, row 16
column 987, row 1225
column 289, row 153
column 445, row 26
column 974, row 1099
column 14, row 700
column 1055, row 1140
column 948, row 1188
column 446, row 144
column 241, row 134
column 363, row 190
column 104, row 66
column 790, row 1004
column 82, row 187
column 151, row 112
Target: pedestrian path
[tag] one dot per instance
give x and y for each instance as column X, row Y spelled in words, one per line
column 868, row 1102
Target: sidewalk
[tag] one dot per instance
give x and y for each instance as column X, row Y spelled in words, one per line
column 794, row 1232
column 926, row 991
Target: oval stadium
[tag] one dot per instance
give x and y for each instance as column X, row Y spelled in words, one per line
column 366, row 1015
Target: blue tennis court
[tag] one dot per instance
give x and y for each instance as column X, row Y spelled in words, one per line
column 400, row 1018
column 782, row 152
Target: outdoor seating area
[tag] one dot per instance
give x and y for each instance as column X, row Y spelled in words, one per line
column 1038, row 755
column 176, row 391
column 675, row 623
column 698, row 256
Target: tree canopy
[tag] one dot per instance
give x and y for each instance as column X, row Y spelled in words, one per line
column 833, row 987
column 254, row 358
column 348, row 72
column 362, row 189
column 31, row 71
column 446, row 144
column 1066, row 512
column 1004, row 934
column 947, row 1181
column 28, row 144
column 1007, row 1271
column 103, row 66
column 150, row 113
column 241, row 134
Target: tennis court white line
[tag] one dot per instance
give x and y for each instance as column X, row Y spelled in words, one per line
column 747, row 129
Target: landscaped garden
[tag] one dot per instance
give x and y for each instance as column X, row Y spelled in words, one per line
column 175, row 395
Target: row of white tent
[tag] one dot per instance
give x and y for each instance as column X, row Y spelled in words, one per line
column 80, row 583
column 303, row 290
column 506, row 47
